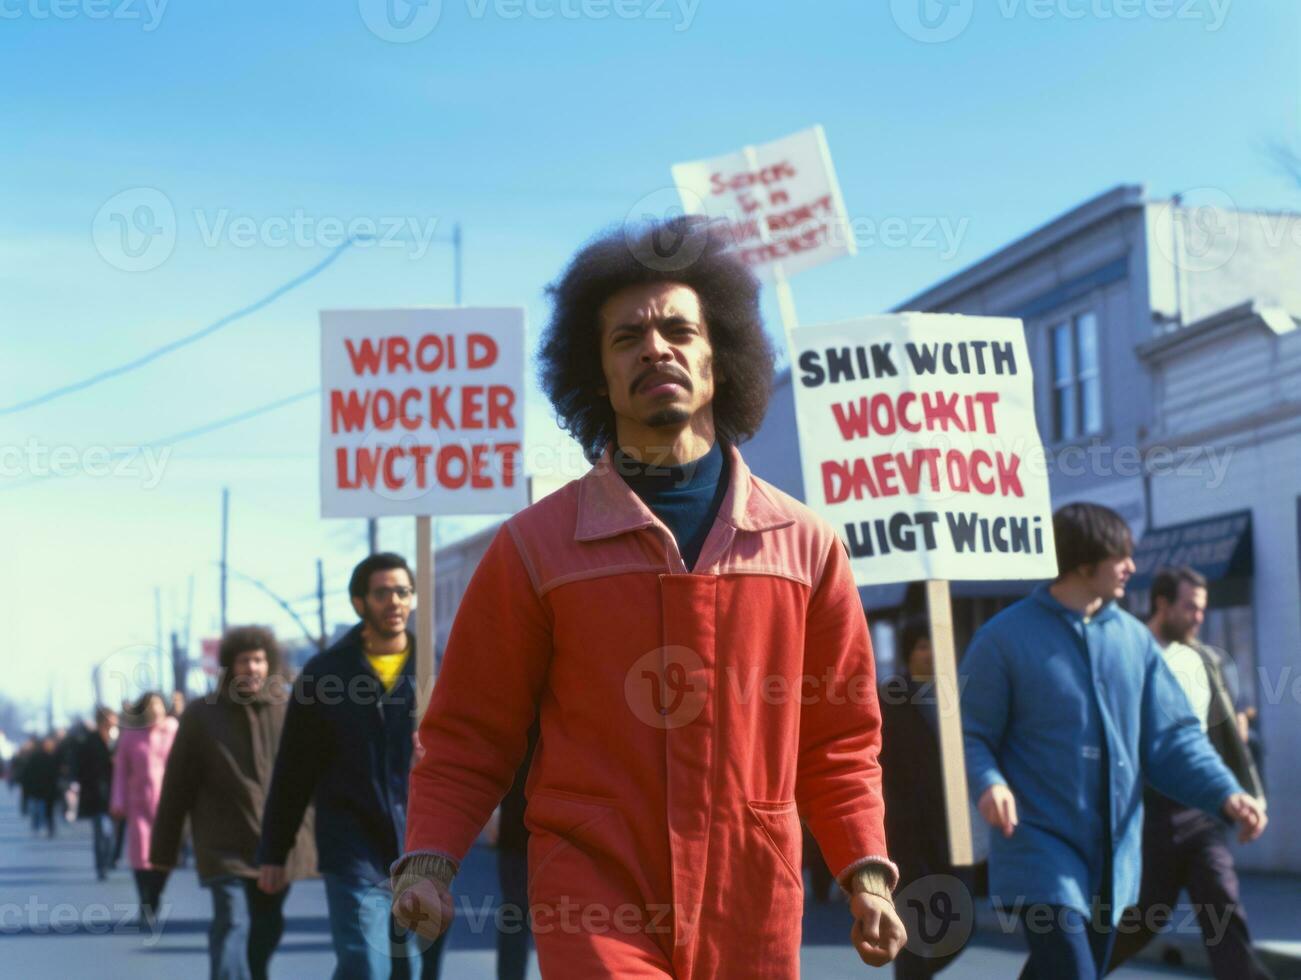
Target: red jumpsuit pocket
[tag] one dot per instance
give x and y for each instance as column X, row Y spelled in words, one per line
column 779, row 826
column 576, row 842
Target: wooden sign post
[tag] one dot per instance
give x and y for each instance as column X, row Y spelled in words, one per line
column 939, row 612
column 424, row 614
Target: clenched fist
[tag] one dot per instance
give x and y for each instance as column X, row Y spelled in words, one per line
column 423, row 905
column 877, row 935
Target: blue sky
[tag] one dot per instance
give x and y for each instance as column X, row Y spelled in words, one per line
column 533, row 131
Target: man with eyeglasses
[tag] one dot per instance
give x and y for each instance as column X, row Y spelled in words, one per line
column 348, row 745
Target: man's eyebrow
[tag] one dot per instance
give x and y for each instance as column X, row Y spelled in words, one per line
column 639, row 326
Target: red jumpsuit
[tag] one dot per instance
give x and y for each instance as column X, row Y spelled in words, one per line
column 688, row 721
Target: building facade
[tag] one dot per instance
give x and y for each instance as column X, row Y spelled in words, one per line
column 1230, row 385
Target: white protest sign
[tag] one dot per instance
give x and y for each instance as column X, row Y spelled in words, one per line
column 422, row 412
column 918, row 443
column 780, row 202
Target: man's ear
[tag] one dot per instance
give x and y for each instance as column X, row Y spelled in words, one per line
column 359, row 607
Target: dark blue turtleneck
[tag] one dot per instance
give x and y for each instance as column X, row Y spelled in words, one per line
column 686, row 497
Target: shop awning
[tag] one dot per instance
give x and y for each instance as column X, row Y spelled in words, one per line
column 1218, row 547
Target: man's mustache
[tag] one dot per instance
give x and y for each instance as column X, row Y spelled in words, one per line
column 668, row 374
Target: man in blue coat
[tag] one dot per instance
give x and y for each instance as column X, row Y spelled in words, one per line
column 1068, row 708
column 347, row 744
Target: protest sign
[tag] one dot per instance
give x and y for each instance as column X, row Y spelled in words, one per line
column 918, row 443
column 779, row 201
column 422, row 412
column 210, row 656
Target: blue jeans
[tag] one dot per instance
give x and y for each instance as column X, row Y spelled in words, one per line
column 1065, row 944
column 246, row 928
column 42, row 811
column 101, row 825
column 368, row 944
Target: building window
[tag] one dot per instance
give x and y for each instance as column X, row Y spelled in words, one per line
column 1076, row 395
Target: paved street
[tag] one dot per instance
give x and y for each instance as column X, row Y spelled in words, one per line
column 56, row 920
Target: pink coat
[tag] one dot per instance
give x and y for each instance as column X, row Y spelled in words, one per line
column 138, row 782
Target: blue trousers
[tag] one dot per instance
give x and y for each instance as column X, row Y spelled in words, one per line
column 42, row 811
column 368, row 943
column 1065, row 944
column 101, row 825
column 246, row 928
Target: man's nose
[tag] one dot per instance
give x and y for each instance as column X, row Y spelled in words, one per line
column 654, row 347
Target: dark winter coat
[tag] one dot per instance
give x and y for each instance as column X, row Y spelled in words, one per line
column 218, row 775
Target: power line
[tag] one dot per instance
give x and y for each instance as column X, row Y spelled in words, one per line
column 185, row 341
column 204, row 429
column 194, row 433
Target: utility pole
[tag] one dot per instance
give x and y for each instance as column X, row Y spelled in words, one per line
column 1177, row 246
column 225, row 538
column 180, row 666
column 158, row 634
column 320, row 599
column 189, row 617
column 372, row 534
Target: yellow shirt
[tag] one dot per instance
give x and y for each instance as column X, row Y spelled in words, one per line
column 388, row 666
